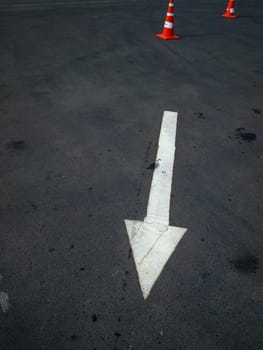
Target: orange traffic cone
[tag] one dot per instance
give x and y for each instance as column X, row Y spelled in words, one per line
column 230, row 10
column 168, row 28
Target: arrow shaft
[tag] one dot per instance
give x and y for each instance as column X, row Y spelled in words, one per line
column 159, row 200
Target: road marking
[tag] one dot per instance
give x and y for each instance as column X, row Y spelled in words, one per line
column 153, row 240
column 4, row 300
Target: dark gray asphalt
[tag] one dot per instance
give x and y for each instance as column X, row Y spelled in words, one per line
column 82, row 92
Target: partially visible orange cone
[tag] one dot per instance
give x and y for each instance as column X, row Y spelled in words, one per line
column 230, row 10
column 168, row 28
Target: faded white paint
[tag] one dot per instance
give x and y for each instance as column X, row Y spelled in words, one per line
column 4, row 301
column 153, row 240
column 159, row 199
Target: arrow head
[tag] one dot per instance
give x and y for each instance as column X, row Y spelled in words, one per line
column 152, row 245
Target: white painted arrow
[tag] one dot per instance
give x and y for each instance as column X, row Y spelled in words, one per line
column 153, row 240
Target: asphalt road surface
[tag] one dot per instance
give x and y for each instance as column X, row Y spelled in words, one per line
column 82, row 91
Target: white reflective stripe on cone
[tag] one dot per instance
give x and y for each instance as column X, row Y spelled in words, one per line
column 169, row 14
column 232, row 10
column 171, row 5
column 168, row 25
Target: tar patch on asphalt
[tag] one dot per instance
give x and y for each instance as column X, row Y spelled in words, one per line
column 74, row 336
column 256, row 110
column 153, row 166
column 94, row 318
column 16, row 145
column 199, row 115
column 124, row 285
column 242, row 136
column 246, row 264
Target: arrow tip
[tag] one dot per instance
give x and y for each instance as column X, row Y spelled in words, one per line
column 151, row 250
